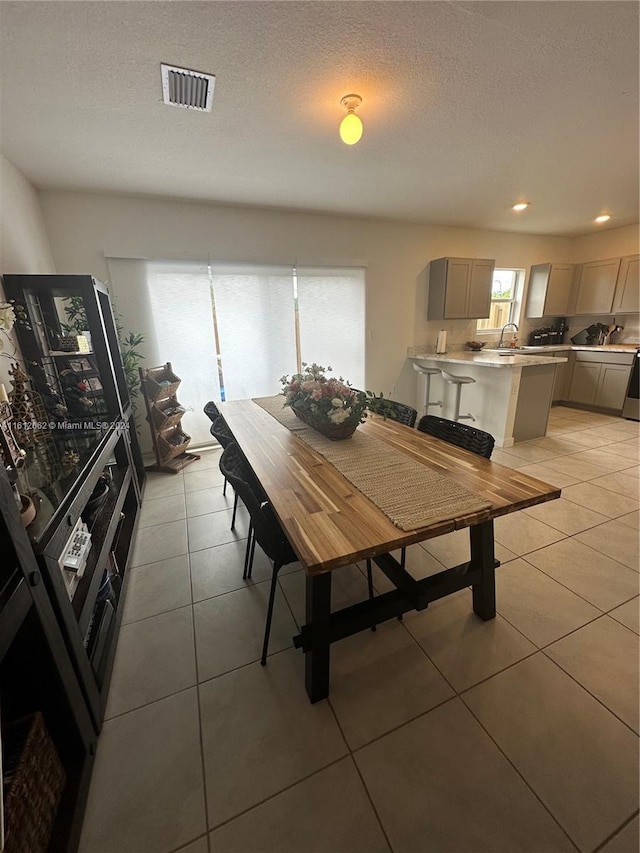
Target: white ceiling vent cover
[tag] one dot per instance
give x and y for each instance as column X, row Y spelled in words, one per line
column 189, row 89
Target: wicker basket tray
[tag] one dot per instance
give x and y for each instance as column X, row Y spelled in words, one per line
column 336, row 432
column 161, row 421
column 168, row 450
column 33, row 781
column 161, row 382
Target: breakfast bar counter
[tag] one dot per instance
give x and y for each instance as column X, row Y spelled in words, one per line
column 511, row 400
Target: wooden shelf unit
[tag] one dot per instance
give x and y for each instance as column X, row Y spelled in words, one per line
column 164, row 414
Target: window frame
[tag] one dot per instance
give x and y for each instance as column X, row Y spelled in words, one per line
column 515, row 301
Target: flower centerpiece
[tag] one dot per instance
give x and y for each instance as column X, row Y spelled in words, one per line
column 327, row 404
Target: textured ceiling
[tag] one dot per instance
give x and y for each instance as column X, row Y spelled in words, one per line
column 467, row 106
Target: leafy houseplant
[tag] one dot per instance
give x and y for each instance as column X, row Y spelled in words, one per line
column 327, row 404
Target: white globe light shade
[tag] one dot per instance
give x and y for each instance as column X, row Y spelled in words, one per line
column 350, row 129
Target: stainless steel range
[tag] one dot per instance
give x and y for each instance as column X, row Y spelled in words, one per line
column 631, row 408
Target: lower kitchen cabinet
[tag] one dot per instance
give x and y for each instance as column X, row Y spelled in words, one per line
column 600, row 379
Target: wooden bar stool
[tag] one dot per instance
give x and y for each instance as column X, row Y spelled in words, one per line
column 427, row 372
column 459, row 381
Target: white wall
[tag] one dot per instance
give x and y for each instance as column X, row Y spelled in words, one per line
column 600, row 245
column 24, row 244
column 85, row 227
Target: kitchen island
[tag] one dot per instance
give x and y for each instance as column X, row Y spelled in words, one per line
column 511, row 396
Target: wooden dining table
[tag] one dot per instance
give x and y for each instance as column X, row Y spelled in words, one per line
column 331, row 524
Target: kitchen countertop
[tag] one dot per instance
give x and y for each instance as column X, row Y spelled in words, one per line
column 488, row 359
column 582, row 348
column 522, row 357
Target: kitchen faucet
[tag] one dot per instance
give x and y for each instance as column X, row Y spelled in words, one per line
column 506, row 326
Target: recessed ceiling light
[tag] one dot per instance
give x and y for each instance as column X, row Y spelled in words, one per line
column 605, row 217
column 521, row 205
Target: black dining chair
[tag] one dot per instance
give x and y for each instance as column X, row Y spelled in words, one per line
column 211, row 410
column 462, row 435
column 213, row 413
column 223, row 435
column 267, row 531
column 399, row 412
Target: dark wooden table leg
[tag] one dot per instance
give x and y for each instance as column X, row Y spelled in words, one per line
column 482, row 556
column 316, row 662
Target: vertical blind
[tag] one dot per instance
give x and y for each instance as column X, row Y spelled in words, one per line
column 231, row 331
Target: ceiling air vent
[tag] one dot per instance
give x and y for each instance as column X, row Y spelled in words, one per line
column 189, row 89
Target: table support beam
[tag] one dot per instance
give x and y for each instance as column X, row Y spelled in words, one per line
column 324, row 627
column 483, row 561
column 318, row 614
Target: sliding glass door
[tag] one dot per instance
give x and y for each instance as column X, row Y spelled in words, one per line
column 232, row 330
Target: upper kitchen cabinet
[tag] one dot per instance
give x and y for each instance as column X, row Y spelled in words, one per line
column 460, row 288
column 596, row 287
column 550, row 290
column 627, row 295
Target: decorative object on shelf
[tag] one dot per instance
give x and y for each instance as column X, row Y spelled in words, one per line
column 475, row 346
column 76, row 393
column 30, row 420
column 13, row 455
column 28, row 510
column 34, row 779
column 164, row 415
column 97, row 499
column 7, row 319
column 68, row 461
column 331, row 406
column 129, row 342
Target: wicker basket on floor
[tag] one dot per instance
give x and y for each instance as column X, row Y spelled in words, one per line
column 33, row 781
column 161, row 382
column 167, row 449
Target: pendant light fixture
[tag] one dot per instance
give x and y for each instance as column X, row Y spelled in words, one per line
column 350, row 126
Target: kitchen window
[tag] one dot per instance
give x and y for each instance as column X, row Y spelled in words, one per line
column 506, row 290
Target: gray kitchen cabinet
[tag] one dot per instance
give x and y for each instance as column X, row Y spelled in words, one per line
column 550, row 290
column 596, row 287
column 562, row 373
column 600, row 379
column 584, row 382
column 612, row 386
column 460, row 288
column 627, row 295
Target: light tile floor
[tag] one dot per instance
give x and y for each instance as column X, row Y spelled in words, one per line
column 442, row 733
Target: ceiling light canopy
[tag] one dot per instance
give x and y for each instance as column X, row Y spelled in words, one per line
column 350, row 126
column 604, row 217
column 521, row 205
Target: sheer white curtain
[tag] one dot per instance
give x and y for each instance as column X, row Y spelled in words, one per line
column 231, row 331
column 256, row 328
column 182, row 325
column 331, row 306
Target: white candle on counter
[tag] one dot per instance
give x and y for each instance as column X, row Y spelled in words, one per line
column 3, row 394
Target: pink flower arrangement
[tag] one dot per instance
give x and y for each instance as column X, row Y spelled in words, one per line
column 323, row 399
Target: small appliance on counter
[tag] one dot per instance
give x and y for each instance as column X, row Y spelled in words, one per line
column 546, row 336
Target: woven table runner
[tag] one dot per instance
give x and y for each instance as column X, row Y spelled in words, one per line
column 408, row 493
